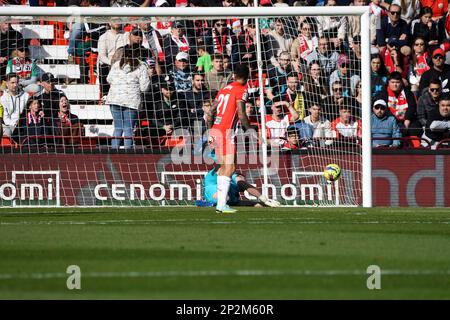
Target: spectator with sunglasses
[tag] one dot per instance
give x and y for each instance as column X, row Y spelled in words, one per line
column 439, row 70
column 393, row 28
column 429, row 101
column 344, row 74
column 384, row 125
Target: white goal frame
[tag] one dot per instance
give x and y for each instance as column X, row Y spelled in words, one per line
column 254, row 12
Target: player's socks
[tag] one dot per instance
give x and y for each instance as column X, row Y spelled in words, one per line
column 223, row 185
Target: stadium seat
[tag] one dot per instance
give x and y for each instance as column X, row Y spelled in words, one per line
column 35, row 31
column 49, row 52
column 64, row 71
column 99, row 130
column 91, row 112
column 80, row 92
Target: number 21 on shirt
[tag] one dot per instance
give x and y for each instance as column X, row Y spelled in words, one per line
column 222, row 102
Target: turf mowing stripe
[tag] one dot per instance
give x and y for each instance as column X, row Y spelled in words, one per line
column 210, row 221
column 212, row 273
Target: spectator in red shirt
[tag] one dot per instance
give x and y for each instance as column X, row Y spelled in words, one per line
column 345, row 125
column 437, row 6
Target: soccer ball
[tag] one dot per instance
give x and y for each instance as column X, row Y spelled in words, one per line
column 332, row 172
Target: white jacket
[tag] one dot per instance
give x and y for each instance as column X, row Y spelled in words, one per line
column 12, row 109
column 126, row 85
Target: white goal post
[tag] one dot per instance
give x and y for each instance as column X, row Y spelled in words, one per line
column 61, row 13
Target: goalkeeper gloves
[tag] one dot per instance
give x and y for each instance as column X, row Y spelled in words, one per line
column 269, row 202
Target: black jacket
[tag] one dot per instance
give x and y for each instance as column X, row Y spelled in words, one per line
column 444, row 76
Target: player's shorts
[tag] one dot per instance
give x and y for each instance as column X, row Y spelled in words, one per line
column 210, row 192
column 223, row 142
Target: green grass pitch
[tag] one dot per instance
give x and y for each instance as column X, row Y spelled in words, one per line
column 194, row 253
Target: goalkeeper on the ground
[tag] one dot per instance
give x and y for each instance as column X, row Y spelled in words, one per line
column 238, row 184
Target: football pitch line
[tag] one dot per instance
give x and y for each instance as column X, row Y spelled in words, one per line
column 214, row 221
column 217, row 273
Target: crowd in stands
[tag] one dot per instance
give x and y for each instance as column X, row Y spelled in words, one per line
column 161, row 76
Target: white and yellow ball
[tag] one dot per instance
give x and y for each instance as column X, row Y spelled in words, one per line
column 332, row 172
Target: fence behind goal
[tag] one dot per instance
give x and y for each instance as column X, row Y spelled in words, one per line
column 116, row 114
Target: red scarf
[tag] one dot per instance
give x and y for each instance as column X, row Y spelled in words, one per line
column 181, row 3
column 23, row 67
column 32, row 119
column 305, row 50
column 397, row 105
column 182, row 43
column 221, row 42
column 421, row 64
column 388, row 62
column 248, row 40
column 65, row 121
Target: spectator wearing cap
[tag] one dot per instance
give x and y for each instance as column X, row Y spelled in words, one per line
column 49, row 96
column 429, row 101
column 427, row 29
column 176, row 42
column 438, row 125
column 345, row 75
column 384, row 125
column 13, row 101
column 402, row 105
column 393, row 27
column 108, row 43
column 128, row 78
column 134, row 39
column 181, row 73
column 24, row 67
column 327, row 58
column 154, row 74
column 217, row 78
column 439, row 70
column 9, row 38
column 283, row 114
column 169, row 112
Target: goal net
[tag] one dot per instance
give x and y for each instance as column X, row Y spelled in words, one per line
column 106, row 106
